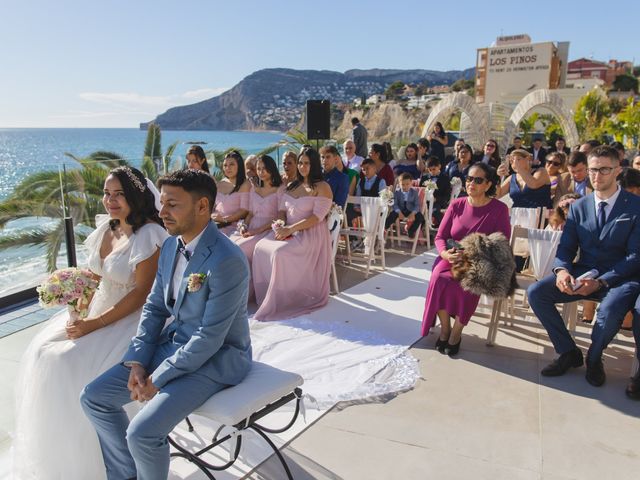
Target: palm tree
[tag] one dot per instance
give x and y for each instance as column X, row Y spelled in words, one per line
column 154, row 163
column 41, row 195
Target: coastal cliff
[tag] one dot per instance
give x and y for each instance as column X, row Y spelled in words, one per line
column 274, row 98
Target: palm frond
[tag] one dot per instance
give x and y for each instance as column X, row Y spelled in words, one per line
column 32, row 237
column 54, row 241
column 148, row 167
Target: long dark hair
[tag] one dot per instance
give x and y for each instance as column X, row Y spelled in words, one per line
column 442, row 133
column 315, row 169
column 138, row 196
column 241, row 177
column 199, row 153
column 381, row 151
column 271, row 167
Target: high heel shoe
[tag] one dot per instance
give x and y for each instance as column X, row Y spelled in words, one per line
column 454, row 349
column 441, row 345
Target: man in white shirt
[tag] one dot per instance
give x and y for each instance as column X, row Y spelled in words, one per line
column 352, row 160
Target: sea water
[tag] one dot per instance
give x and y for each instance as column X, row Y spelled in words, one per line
column 26, row 151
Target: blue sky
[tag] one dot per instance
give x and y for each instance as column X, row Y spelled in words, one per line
column 73, row 63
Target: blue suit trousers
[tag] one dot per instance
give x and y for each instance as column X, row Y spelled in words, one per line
column 614, row 304
column 140, row 448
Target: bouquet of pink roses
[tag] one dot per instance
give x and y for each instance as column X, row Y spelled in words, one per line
column 69, row 286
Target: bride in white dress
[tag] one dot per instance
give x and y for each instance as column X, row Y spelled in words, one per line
column 53, row 438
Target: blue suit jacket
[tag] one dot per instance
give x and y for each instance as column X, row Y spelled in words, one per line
column 413, row 201
column 614, row 252
column 210, row 330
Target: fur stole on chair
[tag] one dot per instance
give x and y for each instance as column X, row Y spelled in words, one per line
column 487, row 266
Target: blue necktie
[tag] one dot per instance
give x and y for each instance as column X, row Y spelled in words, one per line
column 602, row 218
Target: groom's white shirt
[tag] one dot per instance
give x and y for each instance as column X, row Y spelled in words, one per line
column 181, row 263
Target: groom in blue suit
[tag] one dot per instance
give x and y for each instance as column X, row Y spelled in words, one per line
column 202, row 281
column 604, row 228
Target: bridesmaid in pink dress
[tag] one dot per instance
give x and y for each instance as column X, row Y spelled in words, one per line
column 478, row 212
column 196, row 159
column 263, row 207
column 232, row 200
column 289, row 167
column 291, row 266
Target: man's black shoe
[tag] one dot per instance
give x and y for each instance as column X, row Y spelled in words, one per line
column 595, row 372
column 633, row 388
column 570, row 359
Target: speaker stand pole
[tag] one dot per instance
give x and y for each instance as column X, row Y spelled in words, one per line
column 317, row 147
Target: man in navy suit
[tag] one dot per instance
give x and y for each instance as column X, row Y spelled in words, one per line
column 203, row 282
column 604, row 227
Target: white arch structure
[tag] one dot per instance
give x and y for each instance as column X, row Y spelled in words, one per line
column 477, row 119
column 546, row 99
column 479, row 123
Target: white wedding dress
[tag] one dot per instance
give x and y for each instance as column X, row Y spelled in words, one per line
column 53, row 438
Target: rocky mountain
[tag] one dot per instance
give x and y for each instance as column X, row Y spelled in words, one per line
column 274, row 98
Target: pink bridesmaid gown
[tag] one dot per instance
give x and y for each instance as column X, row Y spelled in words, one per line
column 228, row 204
column 291, row 277
column 264, row 210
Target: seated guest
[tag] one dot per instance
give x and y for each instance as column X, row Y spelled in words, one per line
column 635, row 163
column 460, row 168
column 577, row 167
column 558, row 217
column 605, row 228
column 527, row 187
column 289, row 167
column 406, row 206
column 538, row 152
column 619, row 147
column 298, row 254
column 232, row 201
column 370, row 185
column 589, row 145
column 263, row 208
column 560, row 145
column 337, row 180
column 490, row 154
column 378, row 153
column 453, row 157
column 479, row 212
column 409, row 164
column 629, row 180
column 555, row 165
column 353, row 175
column 196, row 159
column 250, row 169
column 442, row 194
column 517, row 145
column 423, row 154
column 352, row 160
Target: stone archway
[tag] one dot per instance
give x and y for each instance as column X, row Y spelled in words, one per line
column 546, row 99
column 476, row 118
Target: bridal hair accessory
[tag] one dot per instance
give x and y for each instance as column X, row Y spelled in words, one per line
column 134, row 179
column 195, row 281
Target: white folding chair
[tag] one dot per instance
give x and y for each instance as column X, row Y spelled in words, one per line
column 334, row 221
column 394, row 233
column 371, row 231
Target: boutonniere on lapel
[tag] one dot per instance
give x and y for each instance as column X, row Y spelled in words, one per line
column 195, row 281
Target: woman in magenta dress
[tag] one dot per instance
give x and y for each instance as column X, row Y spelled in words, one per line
column 479, row 212
column 291, row 266
column 232, row 200
column 263, row 209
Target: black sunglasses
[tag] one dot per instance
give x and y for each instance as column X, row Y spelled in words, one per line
column 476, row 180
column 555, row 164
